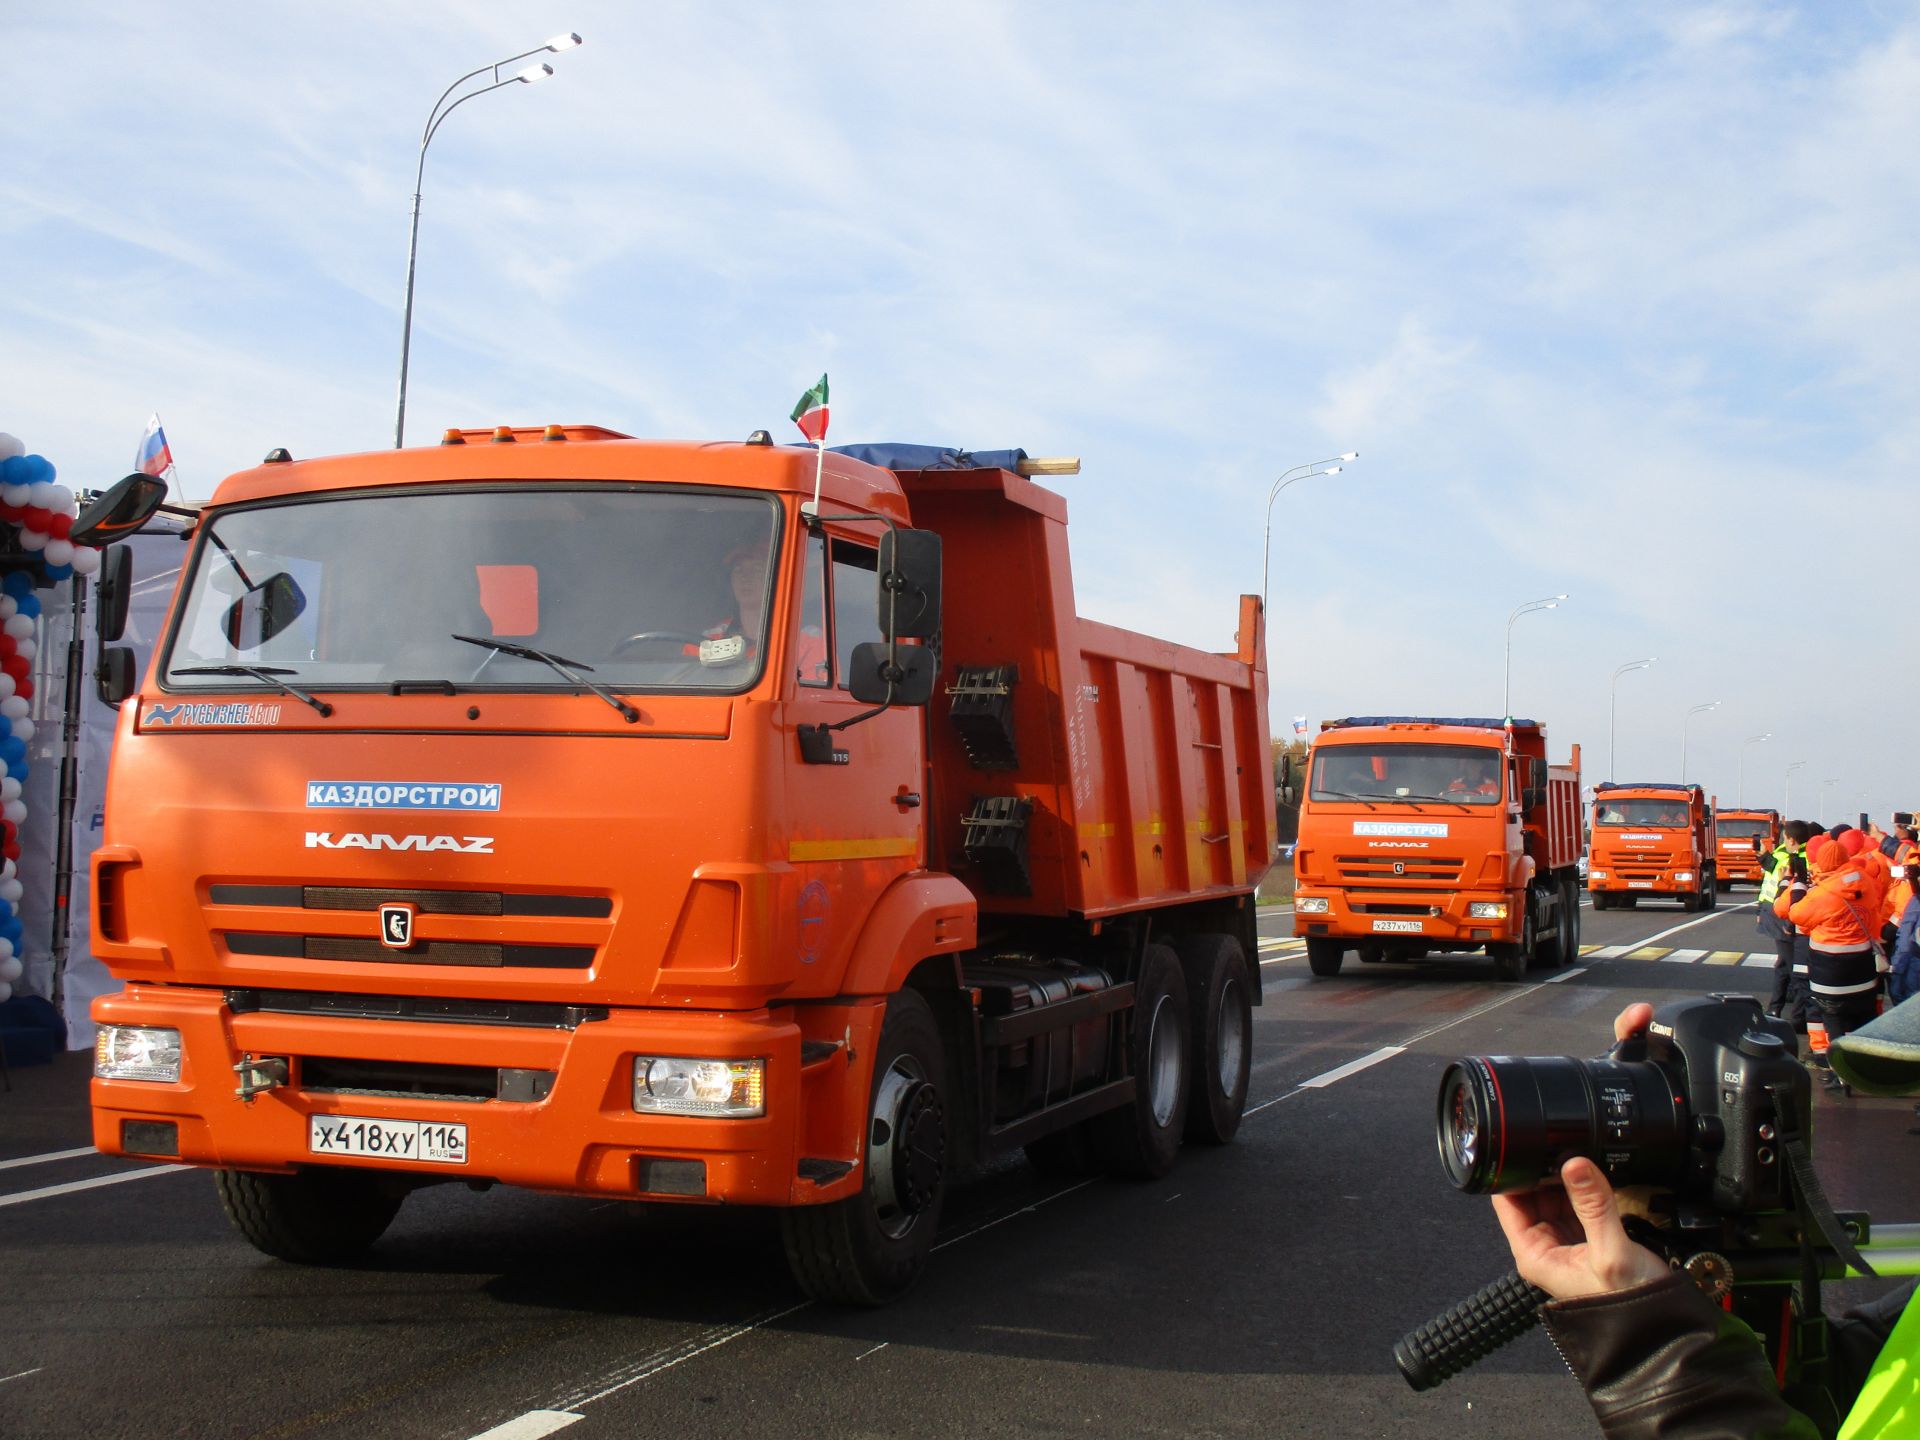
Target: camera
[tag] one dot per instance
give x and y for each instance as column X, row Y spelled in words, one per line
column 1690, row 1106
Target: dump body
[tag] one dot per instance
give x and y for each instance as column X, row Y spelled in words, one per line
column 1653, row 840
column 462, row 897
column 1744, row 836
column 1420, row 835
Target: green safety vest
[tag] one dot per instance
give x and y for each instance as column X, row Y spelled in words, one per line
column 1889, row 1403
column 1770, row 885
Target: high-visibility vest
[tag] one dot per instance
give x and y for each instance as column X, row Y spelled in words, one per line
column 1889, row 1403
column 1776, row 877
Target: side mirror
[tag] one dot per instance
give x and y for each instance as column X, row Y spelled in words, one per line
column 114, row 592
column 1535, row 797
column 263, row 612
column 910, row 585
column 120, row 511
column 113, row 676
column 1286, row 772
column 904, row 678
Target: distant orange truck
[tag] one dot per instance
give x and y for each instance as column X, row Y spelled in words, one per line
column 1423, row 836
column 1745, row 835
column 1653, row 840
column 554, row 809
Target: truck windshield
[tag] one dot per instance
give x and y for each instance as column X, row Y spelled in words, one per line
column 1457, row 774
column 641, row 589
column 1743, row 829
column 1659, row 814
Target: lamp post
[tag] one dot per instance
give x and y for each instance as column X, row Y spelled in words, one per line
column 1750, row 740
column 441, row 109
column 1788, row 802
column 1687, row 721
column 1826, row 785
column 1613, row 689
column 1551, row 602
column 1298, row 472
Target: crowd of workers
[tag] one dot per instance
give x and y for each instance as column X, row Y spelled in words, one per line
column 1839, row 906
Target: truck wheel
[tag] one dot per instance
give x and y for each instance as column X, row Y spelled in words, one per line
column 1569, row 923
column 315, row 1217
column 1710, row 892
column 871, row 1247
column 1142, row 1140
column 1324, row 955
column 1510, row 961
column 1220, row 1046
column 1693, row 900
column 1602, row 900
column 1372, row 954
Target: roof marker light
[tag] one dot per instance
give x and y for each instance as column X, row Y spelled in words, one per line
column 503, row 435
column 555, row 432
column 453, row 437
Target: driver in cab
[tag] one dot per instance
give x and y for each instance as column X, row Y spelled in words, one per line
column 736, row 635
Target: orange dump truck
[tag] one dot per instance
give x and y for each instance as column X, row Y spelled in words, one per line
column 1424, row 836
column 1745, row 835
column 1653, row 840
column 558, row 810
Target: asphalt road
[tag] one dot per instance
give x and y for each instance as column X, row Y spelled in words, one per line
column 1257, row 1291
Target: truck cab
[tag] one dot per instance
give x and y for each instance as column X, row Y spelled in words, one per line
column 1744, row 836
column 1652, row 839
column 1424, row 836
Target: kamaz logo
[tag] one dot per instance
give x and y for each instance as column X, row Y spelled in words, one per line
column 465, row 844
column 396, row 925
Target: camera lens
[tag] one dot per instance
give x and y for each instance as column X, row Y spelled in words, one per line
column 1508, row 1122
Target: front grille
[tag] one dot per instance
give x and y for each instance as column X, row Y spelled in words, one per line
column 427, row 902
column 1429, row 869
column 430, row 952
column 1376, row 909
column 533, row 1014
column 414, row 1079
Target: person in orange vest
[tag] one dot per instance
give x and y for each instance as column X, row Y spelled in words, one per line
column 1842, row 976
column 1876, row 871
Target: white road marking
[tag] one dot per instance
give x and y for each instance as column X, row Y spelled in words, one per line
column 1352, row 1067
column 1566, row 974
column 1682, row 957
column 48, row 1158
column 875, row 1351
column 1689, row 924
column 531, row 1426
column 1611, row 952
column 48, row 1192
column 22, row 1375
column 1758, row 961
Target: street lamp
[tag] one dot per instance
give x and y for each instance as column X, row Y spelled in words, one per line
column 1788, row 802
column 440, row 111
column 1551, row 602
column 1612, row 688
column 1696, row 710
column 1826, row 785
column 1298, row 472
column 1750, row 740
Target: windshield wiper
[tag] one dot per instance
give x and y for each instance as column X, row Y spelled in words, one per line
column 1346, row 795
column 560, row 663
column 266, row 675
column 1439, row 800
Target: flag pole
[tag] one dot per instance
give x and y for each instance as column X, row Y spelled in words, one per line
column 819, row 471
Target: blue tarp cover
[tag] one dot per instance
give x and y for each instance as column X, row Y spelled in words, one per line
column 1644, row 785
column 1480, row 723
column 894, row 456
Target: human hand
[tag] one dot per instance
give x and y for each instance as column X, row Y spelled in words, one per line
column 1569, row 1240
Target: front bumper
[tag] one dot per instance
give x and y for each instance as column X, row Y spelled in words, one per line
column 1360, row 915
column 1662, row 883
column 582, row 1137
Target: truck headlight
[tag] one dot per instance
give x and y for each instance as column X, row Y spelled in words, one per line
column 137, row 1052
column 1596, row 874
column 1683, row 875
column 1310, row 904
column 667, row 1085
column 1487, row 910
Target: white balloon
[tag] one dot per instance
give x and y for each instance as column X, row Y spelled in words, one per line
column 60, row 500
column 9, row 607
column 10, row 446
column 86, row 560
column 7, row 868
column 9, row 790
column 11, row 891
column 10, row 968
column 14, row 810
column 59, row 552
column 14, row 494
column 7, row 687
column 23, row 728
column 6, row 992
column 6, row 947
column 13, row 707
column 40, row 493
column 20, row 626
column 26, row 649
column 33, row 539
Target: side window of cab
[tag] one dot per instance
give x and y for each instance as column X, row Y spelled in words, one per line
column 856, row 620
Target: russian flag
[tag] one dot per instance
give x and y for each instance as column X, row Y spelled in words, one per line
column 153, row 457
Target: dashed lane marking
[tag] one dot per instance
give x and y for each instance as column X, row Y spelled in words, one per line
column 47, row 1192
column 531, row 1426
column 1648, row 952
column 1757, row 961
column 1683, row 957
column 1352, row 1067
column 1725, row 957
column 1611, row 952
column 48, row 1158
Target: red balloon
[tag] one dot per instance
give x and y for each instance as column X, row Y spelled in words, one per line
column 9, row 832
column 24, row 688
column 8, row 645
column 13, row 514
column 60, row 526
column 11, row 850
column 18, row 666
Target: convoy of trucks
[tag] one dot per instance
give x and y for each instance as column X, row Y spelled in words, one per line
column 1423, row 836
column 1745, row 835
column 1653, row 840
column 688, row 824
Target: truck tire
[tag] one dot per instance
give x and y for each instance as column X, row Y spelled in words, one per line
column 314, row 1217
column 1693, row 901
column 1569, row 923
column 1220, row 1043
column 872, row 1246
column 1142, row 1140
column 1324, row 955
column 1602, row 900
column 1510, row 961
column 1710, row 892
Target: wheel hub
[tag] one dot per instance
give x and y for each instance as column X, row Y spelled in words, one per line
column 920, row 1154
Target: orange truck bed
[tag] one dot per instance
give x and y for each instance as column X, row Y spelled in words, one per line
column 561, row 810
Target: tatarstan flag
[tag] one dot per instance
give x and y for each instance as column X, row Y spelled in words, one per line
column 810, row 413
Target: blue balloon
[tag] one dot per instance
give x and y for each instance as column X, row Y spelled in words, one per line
column 18, row 770
column 29, row 605
column 13, row 748
column 6, row 727
column 16, row 932
column 59, row 572
column 13, row 470
column 18, row 583
column 6, row 912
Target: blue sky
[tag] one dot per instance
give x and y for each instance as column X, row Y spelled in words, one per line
column 1614, row 299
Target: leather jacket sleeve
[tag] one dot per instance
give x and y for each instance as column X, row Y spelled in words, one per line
column 1659, row 1361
